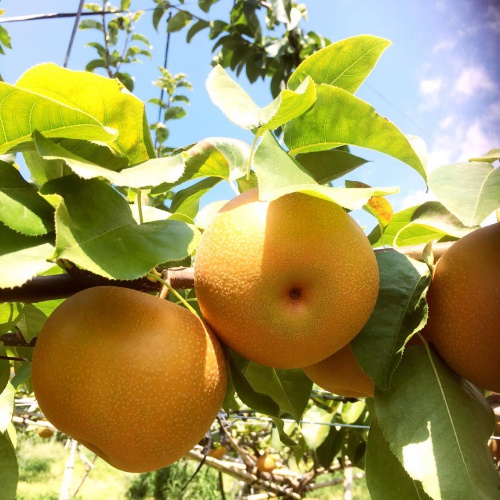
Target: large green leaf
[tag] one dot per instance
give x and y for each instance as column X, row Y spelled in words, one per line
column 256, row 400
column 9, row 472
column 418, row 225
column 22, row 257
column 398, row 312
column 35, row 111
column 438, row 427
column 187, row 200
column 290, row 389
column 21, row 207
column 96, row 230
column 280, row 174
column 338, row 118
column 104, row 99
column 326, row 166
column 344, row 64
column 240, row 108
column 471, row 191
column 385, row 476
column 212, row 157
column 149, row 173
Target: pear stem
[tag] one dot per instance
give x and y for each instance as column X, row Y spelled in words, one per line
column 174, row 291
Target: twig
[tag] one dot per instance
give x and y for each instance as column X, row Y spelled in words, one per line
column 68, row 472
column 88, row 467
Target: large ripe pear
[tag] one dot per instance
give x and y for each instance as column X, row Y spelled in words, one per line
column 285, row 283
column 136, row 379
column 464, row 307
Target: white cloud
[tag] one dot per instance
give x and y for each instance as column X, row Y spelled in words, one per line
column 462, row 139
column 447, row 44
column 431, row 86
column 473, row 79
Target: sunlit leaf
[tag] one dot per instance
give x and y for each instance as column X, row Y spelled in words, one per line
column 240, row 108
column 338, row 118
column 316, row 430
column 280, row 174
column 150, row 173
column 96, row 230
column 6, row 407
column 419, row 225
column 31, row 321
column 21, row 207
column 471, row 191
column 344, row 64
column 434, row 438
column 34, row 111
column 100, row 98
column 385, row 476
column 22, row 257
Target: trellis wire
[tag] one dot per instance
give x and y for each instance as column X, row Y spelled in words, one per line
column 73, row 33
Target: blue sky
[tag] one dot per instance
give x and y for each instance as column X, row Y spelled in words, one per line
column 438, row 80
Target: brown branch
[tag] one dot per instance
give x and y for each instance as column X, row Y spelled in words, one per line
column 61, row 286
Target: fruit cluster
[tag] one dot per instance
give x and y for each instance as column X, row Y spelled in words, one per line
column 287, row 284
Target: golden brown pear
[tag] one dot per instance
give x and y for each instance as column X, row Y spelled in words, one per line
column 285, row 283
column 266, row 463
column 341, row 374
column 464, row 307
column 100, row 356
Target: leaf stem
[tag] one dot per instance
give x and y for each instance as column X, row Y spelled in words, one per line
column 139, row 205
column 175, row 292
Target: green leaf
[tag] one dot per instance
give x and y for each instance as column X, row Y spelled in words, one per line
column 141, row 38
column 5, row 38
column 398, row 312
column 442, row 431
column 418, row 225
column 31, row 321
column 96, row 230
column 9, row 473
column 317, row 429
column 280, row 174
column 491, row 156
column 94, row 64
column 22, row 257
column 281, row 10
column 9, row 314
column 150, row 173
column 385, row 476
column 239, row 107
column 326, row 166
column 21, row 207
column 34, row 111
column 88, row 24
column 471, row 191
column 196, row 28
column 186, row 201
column 290, row 389
column 344, row 64
column 96, row 97
column 256, row 400
column 213, row 157
column 331, row 446
column 339, row 118
column 178, row 21
column 6, row 406
column 174, row 113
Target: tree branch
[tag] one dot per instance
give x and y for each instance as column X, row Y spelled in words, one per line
column 61, row 286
